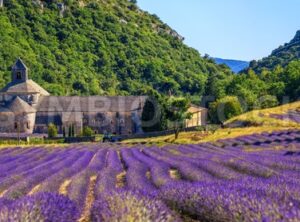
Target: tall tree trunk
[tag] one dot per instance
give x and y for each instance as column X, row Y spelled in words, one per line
column 177, row 131
column 177, row 134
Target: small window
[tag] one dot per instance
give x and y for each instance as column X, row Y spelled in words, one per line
column 19, row 75
column 28, row 125
column 16, row 125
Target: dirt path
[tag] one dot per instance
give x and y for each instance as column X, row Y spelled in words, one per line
column 85, row 217
column 64, row 187
column 34, row 190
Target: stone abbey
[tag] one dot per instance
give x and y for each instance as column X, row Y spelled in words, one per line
column 28, row 108
column 25, row 107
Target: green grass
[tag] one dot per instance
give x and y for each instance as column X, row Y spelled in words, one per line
column 32, row 142
column 262, row 118
column 39, row 141
column 259, row 121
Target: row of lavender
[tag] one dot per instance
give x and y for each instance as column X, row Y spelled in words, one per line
column 277, row 137
column 293, row 116
column 204, row 182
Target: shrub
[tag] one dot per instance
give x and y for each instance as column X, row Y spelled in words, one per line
column 52, row 131
column 225, row 108
column 267, row 101
column 87, row 132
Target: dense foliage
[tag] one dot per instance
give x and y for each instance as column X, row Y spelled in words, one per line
column 281, row 56
column 153, row 115
column 177, row 113
column 52, row 131
column 114, row 48
column 225, row 108
column 273, row 80
column 258, row 90
column 88, row 132
column 99, row 48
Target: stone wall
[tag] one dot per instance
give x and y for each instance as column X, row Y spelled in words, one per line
column 11, row 123
column 120, row 123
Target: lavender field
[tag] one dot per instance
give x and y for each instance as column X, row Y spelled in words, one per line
column 250, row 178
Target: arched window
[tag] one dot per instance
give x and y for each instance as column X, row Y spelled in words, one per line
column 16, row 125
column 28, row 125
column 19, row 75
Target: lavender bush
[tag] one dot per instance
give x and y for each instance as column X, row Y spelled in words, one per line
column 42, row 207
column 249, row 178
column 131, row 206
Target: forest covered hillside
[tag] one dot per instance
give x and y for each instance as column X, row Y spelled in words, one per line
column 108, row 47
column 281, row 56
column 112, row 47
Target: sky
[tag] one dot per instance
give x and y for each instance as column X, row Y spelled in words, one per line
column 230, row 29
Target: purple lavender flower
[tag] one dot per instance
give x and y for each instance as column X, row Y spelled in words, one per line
column 219, row 202
column 107, row 177
column 131, row 206
column 42, row 207
column 78, row 188
column 136, row 174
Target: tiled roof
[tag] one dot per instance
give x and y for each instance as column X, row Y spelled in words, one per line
column 197, row 107
column 25, row 87
column 20, row 106
column 95, row 104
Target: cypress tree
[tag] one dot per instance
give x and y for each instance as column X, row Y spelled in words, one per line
column 70, row 131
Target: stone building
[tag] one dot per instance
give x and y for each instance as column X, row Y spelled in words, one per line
column 25, row 107
column 199, row 116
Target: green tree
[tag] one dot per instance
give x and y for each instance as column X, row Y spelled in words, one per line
column 152, row 116
column 52, row 131
column 291, row 78
column 218, row 82
column 177, row 113
column 224, row 109
column 267, row 101
column 248, row 88
column 119, row 58
column 87, row 132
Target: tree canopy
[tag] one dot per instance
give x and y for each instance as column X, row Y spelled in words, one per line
column 112, row 48
column 99, row 48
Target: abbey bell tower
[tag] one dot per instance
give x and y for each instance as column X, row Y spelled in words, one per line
column 19, row 72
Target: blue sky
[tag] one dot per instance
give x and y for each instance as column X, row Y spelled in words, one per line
column 232, row 29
